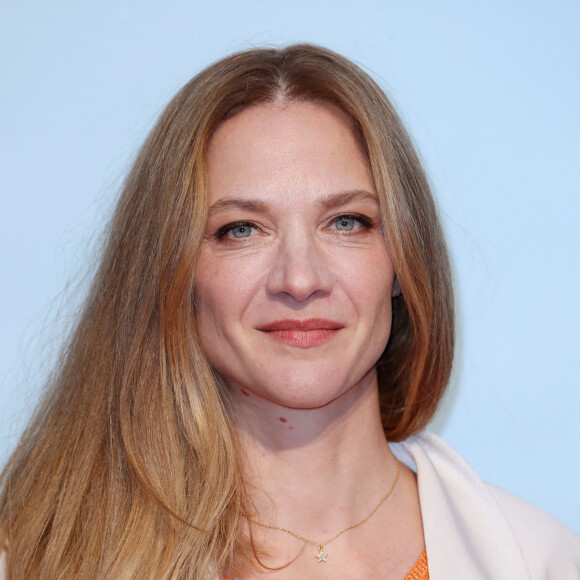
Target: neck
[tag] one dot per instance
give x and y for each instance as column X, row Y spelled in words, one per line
column 316, row 471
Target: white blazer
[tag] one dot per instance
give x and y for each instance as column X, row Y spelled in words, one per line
column 474, row 530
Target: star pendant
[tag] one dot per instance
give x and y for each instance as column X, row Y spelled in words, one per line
column 321, row 555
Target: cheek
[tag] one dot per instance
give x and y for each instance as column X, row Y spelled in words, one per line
column 369, row 280
column 223, row 289
column 369, row 285
column 215, row 307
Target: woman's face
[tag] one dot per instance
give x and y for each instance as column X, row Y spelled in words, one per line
column 294, row 280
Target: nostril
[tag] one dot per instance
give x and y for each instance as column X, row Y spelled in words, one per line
column 300, row 269
column 299, row 277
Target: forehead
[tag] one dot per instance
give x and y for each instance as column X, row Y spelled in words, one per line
column 302, row 149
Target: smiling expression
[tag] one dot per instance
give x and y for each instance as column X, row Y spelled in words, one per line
column 294, row 280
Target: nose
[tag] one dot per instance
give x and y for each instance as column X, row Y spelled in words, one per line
column 299, row 270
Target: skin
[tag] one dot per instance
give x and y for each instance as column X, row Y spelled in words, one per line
column 293, row 289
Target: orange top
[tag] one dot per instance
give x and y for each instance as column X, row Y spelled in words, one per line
column 419, row 571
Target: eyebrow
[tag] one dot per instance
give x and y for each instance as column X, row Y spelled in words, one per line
column 328, row 202
column 252, row 205
column 345, row 197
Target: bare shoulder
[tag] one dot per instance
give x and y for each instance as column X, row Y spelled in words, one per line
column 551, row 549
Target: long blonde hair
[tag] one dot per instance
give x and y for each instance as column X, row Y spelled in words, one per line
column 130, row 467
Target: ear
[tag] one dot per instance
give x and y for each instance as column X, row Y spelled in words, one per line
column 396, row 288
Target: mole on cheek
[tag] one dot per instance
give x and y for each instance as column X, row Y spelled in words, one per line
column 283, row 419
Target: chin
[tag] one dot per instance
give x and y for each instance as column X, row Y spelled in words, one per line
column 306, row 402
column 307, row 386
column 309, row 392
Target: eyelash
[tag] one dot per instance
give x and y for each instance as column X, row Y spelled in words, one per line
column 365, row 222
column 225, row 230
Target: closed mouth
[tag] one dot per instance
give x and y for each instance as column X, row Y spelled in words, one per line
column 302, row 333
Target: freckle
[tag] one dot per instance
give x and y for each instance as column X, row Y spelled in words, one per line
column 283, row 419
column 290, row 427
column 244, row 392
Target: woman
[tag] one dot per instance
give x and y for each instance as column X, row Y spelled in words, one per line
column 273, row 305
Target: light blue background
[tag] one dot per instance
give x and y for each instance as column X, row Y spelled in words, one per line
column 490, row 92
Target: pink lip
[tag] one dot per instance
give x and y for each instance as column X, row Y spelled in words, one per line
column 302, row 333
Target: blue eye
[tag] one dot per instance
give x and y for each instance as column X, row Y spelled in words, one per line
column 354, row 223
column 237, row 230
column 241, row 231
column 345, row 223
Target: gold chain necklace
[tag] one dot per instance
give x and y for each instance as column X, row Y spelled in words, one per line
column 321, row 554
